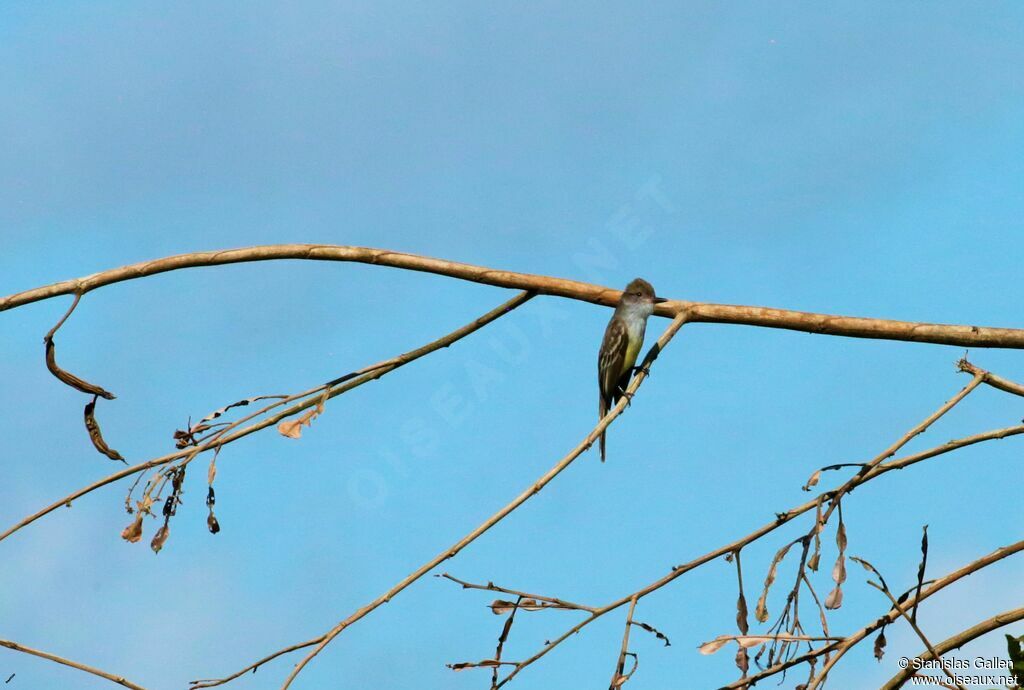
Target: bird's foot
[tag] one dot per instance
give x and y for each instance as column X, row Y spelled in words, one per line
column 627, row 395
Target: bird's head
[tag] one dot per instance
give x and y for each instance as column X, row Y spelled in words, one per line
column 639, row 294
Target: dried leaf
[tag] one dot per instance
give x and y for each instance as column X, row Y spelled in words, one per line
column 834, row 599
column 841, row 536
column 714, row 645
column 211, row 473
column 880, row 644
column 761, row 610
column 159, row 538
column 133, row 532
column 486, row 663
column 813, row 481
column 839, row 570
column 69, row 378
column 95, row 435
column 500, row 606
column 920, row 572
column 241, row 403
column 742, row 661
column 657, row 633
column 292, row 428
column 741, row 614
column 212, row 524
column 813, row 561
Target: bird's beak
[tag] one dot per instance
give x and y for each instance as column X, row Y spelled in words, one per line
column 659, row 300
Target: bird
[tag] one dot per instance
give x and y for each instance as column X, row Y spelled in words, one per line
column 622, row 341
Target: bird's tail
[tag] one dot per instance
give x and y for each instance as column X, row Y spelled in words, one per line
column 602, row 410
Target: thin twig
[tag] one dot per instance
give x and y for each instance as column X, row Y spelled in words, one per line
column 917, row 629
column 853, row 639
column 222, row 440
column 956, row 641
column 491, row 587
column 876, row 467
column 531, row 491
column 618, row 679
column 120, row 680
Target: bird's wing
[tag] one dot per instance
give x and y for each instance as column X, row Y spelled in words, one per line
column 612, row 359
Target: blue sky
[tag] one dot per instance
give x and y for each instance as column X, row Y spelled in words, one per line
column 858, row 158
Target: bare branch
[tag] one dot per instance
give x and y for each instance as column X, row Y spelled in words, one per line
column 120, row 680
column 870, row 470
column 619, row 678
column 531, row 491
column 956, row 641
column 884, row 589
column 491, row 587
column 223, row 438
column 828, row 324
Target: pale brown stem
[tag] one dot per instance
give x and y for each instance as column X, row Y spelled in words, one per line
column 874, row 469
column 991, row 379
column 917, row 630
column 491, row 587
column 620, row 664
column 855, row 638
column 213, row 682
column 120, row 680
column 968, row 336
column 373, row 372
column 957, row 641
column 531, row 491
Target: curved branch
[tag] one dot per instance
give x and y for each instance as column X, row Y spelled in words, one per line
column 956, row 641
column 968, row 336
column 120, row 680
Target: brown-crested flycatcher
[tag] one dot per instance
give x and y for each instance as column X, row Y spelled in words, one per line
column 622, row 342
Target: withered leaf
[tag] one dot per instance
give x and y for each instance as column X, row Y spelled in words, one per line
column 657, row 633
column 920, row 572
column 813, row 481
column 159, row 538
column 880, row 644
column 241, row 403
column 813, row 561
column 133, row 532
column 69, row 378
column 835, row 598
column 742, row 661
column 741, row 614
column 500, row 606
column 95, row 435
column 212, row 524
column 839, row 570
column 292, row 428
column 486, row 663
column 714, row 645
column 761, row 610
